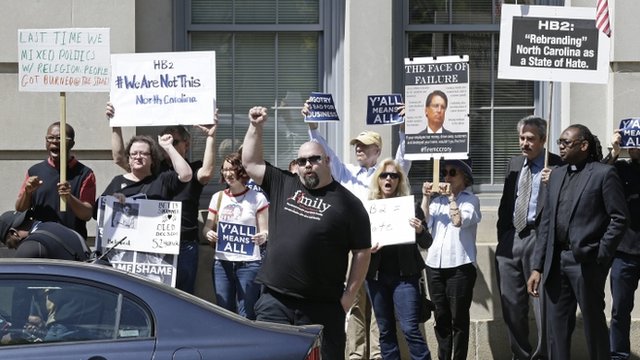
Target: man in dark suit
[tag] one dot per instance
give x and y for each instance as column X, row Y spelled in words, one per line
column 518, row 215
column 583, row 222
column 435, row 108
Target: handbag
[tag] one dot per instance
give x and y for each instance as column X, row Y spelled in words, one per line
column 426, row 306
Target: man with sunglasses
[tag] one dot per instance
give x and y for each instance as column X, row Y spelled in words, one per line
column 314, row 224
column 583, row 221
column 362, row 329
column 189, row 194
column 41, row 190
column 518, row 216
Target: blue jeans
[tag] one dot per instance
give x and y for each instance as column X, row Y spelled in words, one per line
column 625, row 273
column 187, row 266
column 403, row 294
column 235, row 287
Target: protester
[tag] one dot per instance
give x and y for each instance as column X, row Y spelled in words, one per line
column 518, row 216
column 234, row 272
column 625, row 270
column 362, row 328
column 584, row 220
column 314, row 223
column 189, row 194
column 42, row 189
column 394, row 273
column 453, row 216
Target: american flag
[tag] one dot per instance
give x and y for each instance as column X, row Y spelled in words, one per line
column 602, row 17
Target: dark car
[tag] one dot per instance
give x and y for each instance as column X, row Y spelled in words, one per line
column 54, row 309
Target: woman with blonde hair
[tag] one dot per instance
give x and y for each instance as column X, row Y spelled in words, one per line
column 393, row 278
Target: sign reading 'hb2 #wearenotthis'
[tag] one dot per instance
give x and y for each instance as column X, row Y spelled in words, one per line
column 151, row 89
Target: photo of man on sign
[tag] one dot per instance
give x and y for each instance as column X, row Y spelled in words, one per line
column 435, row 108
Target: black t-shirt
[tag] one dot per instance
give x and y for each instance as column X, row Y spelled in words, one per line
column 311, row 232
column 164, row 186
column 189, row 194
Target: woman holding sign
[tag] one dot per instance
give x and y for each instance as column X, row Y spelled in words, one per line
column 393, row 278
column 240, row 218
column 453, row 216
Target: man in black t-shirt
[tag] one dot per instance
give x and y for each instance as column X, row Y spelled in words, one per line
column 314, row 222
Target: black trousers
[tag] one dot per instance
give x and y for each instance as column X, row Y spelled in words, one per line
column 568, row 284
column 279, row 308
column 451, row 291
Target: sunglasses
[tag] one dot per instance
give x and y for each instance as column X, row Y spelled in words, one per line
column 176, row 142
column 451, row 172
column 567, row 143
column 313, row 159
column 392, row 175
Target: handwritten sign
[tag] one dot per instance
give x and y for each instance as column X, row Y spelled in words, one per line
column 390, row 220
column 630, row 132
column 177, row 88
column 321, row 108
column 383, row 109
column 235, row 238
column 70, row 60
column 552, row 43
column 149, row 226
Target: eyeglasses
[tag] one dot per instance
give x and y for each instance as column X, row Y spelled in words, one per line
column 567, row 143
column 140, row 154
column 451, row 172
column 392, row 175
column 313, row 159
column 56, row 139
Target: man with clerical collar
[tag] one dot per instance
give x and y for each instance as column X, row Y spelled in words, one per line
column 584, row 218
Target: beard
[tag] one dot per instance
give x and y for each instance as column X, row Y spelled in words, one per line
column 311, row 180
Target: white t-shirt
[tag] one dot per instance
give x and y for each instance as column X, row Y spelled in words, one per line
column 240, row 209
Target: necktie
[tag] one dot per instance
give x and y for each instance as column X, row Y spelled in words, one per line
column 522, row 202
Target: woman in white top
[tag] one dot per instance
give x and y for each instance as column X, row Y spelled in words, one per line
column 236, row 226
column 452, row 216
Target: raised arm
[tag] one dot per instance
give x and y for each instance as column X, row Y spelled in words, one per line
column 117, row 143
column 180, row 165
column 205, row 173
column 252, row 156
column 337, row 166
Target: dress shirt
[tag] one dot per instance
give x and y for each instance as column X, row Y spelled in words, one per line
column 453, row 246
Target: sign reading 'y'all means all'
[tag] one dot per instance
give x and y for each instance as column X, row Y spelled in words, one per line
column 630, row 132
column 551, row 43
column 63, row 60
column 235, row 239
column 150, row 89
column 383, row 109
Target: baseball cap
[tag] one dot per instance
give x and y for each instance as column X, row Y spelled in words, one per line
column 8, row 220
column 368, row 138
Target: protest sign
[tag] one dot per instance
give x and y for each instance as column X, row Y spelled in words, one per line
column 552, row 43
column 630, row 132
column 151, row 233
column 235, row 239
column 177, row 88
column 149, row 225
column 390, row 220
column 437, row 107
column 383, row 109
column 321, row 108
column 63, row 60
